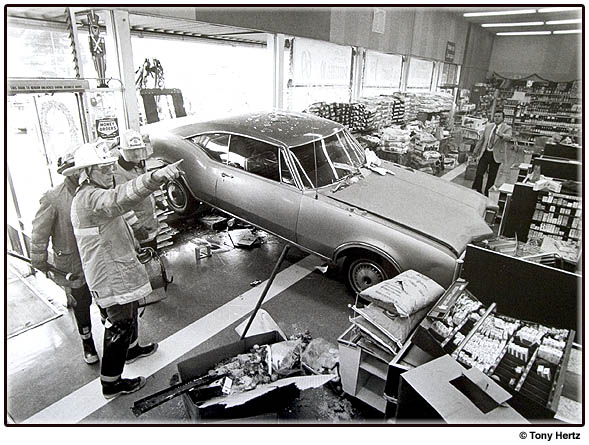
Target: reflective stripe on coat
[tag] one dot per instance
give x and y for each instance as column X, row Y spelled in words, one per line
column 106, row 244
column 143, row 215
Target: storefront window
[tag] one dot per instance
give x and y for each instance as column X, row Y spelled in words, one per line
column 38, row 52
column 449, row 74
column 216, row 79
column 318, row 72
column 382, row 74
column 420, row 74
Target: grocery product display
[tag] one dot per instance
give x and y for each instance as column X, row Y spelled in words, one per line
column 522, row 356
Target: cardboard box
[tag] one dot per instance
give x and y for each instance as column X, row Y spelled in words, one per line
column 199, row 365
column 444, row 390
column 261, row 400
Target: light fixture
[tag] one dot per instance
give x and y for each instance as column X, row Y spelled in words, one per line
column 563, row 22
column 541, row 10
column 491, row 13
column 567, row 31
column 524, row 33
column 501, row 25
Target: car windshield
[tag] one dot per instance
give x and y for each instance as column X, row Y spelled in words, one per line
column 327, row 161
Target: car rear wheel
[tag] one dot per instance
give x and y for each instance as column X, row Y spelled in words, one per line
column 179, row 198
column 365, row 270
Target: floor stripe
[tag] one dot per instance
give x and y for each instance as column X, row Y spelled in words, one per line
column 453, row 174
column 81, row 403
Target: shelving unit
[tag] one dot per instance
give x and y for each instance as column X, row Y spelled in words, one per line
column 542, row 113
column 363, row 374
column 558, row 216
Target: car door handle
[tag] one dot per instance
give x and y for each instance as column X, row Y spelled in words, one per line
column 226, row 175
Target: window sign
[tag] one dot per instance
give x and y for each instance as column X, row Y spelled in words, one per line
column 382, row 70
column 448, row 74
column 318, row 63
column 420, row 73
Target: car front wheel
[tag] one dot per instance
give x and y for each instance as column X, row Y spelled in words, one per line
column 365, row 270
column 179, row 198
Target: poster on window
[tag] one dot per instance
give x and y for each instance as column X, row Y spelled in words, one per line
column 420, row 73
column 318, row 63
column 107, row 128
column 382, row 70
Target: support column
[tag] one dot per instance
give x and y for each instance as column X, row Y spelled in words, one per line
column 118, row 27
column 275, row 43
column 358, row 61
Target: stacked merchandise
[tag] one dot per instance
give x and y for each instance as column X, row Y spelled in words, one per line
column 380, row 326
column 391, row 310
column 394, row 144
column 384, row 111
column 395, row 307
column 523, row 357
column 426, row 103
column 352, row 115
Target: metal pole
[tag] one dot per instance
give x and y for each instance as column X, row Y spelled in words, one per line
column 21, row 228
column 40, row 127
column 268, row 284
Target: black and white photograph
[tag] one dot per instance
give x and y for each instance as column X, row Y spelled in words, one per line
column 294, row 215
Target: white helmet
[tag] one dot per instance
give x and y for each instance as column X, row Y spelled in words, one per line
column 95, row 153
column 133, row 146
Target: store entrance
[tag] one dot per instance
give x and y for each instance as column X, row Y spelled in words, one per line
column 40, row 128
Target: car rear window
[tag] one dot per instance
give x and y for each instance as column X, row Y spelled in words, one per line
column 255, row 156
column 216, row 145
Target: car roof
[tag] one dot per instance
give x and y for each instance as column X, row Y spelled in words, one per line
column 274, row 127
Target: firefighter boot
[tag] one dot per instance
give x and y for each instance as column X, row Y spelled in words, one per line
column 136, row 352
column 110, row 390
column 90, row 354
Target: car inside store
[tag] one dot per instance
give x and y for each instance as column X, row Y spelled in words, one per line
column 303, row 215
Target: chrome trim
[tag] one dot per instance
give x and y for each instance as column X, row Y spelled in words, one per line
column 276, row 141
column 366, row 246
column 325, row 136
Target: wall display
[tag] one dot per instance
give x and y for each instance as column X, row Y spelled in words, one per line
column 320, row 63
column 420, row 73
column 382, row 70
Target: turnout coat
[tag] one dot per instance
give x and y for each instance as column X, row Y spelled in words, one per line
column 106, row 243
column 52, row 223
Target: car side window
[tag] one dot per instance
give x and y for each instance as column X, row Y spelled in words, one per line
column 255, row 157
column 216, row 145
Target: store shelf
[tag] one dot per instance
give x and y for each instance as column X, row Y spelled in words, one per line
column 372, row 393
column 374, row 367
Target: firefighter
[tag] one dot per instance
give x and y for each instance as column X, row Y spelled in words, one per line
column 142, row 219
column 116, row 278
column 52, row 222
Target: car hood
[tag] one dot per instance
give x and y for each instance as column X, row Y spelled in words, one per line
column 438, row 209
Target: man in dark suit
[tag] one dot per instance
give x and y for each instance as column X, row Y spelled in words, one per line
column 490, row 151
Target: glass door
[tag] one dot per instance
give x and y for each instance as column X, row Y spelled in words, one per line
column 40, row 128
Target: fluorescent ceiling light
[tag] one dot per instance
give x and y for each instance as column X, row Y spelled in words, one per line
column 563, row 22
column 558, row 9
column 501, row 25
column 490, row 13
column 524, row 33
column 567, row 31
